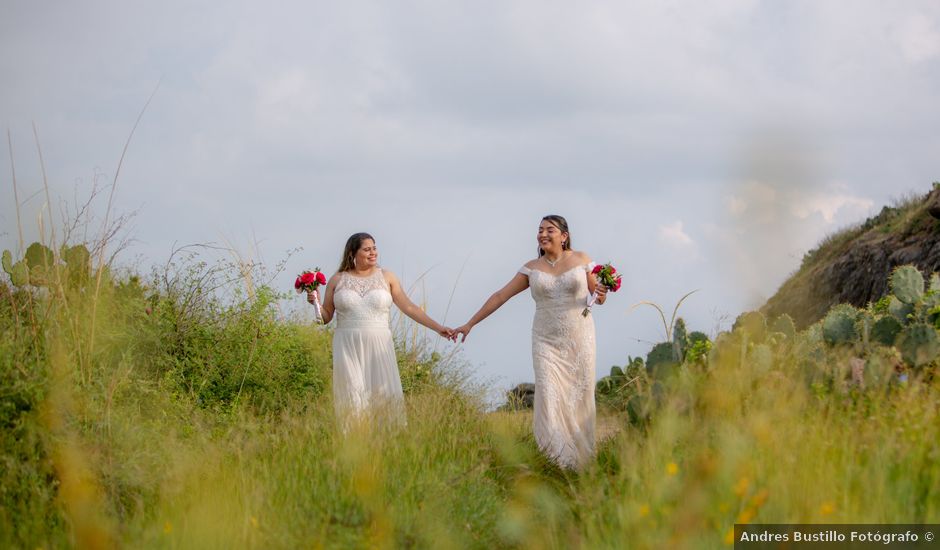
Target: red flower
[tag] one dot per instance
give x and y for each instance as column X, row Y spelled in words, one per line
column 308, row 281
column 616, row 286
column 597, row 269
column 613, row 270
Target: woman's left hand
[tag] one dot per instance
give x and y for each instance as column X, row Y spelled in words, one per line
column 601, row 291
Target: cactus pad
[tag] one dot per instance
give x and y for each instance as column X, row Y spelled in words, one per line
column 919, row 344
column 907, row 284
column 885, row 330
column 838, row 326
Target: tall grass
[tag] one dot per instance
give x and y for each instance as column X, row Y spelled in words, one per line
column 193, row 416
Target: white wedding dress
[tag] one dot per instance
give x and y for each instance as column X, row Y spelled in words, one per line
column 366, row 382
column 563, row 351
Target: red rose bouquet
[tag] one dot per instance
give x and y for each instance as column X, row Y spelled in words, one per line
column 308, row 281
column 606, row 275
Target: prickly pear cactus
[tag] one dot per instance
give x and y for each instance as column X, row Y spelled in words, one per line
column 616, row 372
column 784, row 324
column 885, row 330
column 935, row 283
column 919, row 344
column 18, row 272
column 660, row 361
column 78, row 263
column 838, row 327
column 907, row 284
column 39, row 255
column 900, row 310
column 605, row 385
column 680, row 340
column 752, row 322
column 760, row 358
column 76, row 256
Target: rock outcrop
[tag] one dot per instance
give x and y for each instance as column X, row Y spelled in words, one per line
column 853, row 266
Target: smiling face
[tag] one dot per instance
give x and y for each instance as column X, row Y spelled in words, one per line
column 367, row 256
column 551, row 239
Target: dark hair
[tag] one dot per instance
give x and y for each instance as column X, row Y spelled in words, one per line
column 353, row 244
column 562, row 225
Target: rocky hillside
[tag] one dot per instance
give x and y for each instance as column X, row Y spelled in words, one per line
column 853, row 266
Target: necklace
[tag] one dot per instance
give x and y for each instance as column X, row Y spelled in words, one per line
column 551, row 263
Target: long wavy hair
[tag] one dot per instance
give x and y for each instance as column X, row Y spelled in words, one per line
column 353, row 244
column 562, row 225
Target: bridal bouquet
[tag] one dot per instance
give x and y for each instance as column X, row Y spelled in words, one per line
column 606, row 275
column 308, row 281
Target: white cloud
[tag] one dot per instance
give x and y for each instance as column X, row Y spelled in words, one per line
column 919, row 38
column 736, row 205
column 829, row 206
column 408, row 118
column 674, row 235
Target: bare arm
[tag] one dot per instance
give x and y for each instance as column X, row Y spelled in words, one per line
column 516, row 285
column 592, row 282
column 401, row 300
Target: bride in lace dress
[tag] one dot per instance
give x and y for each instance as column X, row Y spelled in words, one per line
column 562, row 342
column 365, row 370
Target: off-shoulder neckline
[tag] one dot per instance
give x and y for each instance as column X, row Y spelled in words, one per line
column 562, row 273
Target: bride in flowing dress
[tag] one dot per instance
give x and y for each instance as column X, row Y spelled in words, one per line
column 365, row 371
column 563, row 347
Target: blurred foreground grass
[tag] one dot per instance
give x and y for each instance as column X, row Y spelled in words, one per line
column 180, row 412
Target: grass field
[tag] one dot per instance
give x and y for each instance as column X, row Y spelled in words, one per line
column 158, row 412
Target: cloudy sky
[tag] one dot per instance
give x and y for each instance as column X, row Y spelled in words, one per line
column 694, row 145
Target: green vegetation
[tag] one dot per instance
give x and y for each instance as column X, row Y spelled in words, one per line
column 180, row 410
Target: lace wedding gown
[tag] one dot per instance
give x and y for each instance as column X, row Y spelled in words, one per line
column 365, row 371
column 563, row 351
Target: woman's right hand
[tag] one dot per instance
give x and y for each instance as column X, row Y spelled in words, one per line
column 463, row 331
column 311, row 294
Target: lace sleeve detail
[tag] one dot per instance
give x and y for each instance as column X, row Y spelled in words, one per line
column 525, row 271
column 589, row 267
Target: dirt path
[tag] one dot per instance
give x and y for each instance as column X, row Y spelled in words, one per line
column 608, row 423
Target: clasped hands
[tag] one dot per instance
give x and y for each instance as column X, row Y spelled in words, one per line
column 452, row 333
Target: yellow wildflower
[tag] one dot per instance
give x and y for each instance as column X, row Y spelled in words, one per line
column 741, row 487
